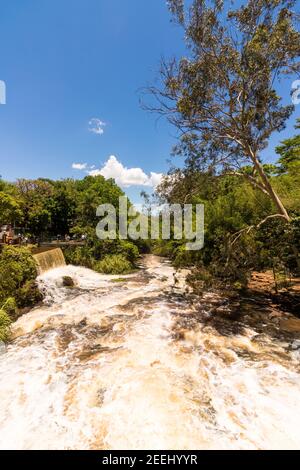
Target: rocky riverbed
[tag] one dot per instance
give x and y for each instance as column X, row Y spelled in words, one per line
column 140, row 362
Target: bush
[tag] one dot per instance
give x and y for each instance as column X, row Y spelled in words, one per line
column 97, row 251
column 16, row 267
column 5, row 322
column 101, row 248
column 79, row 256
column 164, row 248
column 128, row 250
column 182, row 257
column 17, row 285
column 28, row 295
column 114, row 264
column 10, row 306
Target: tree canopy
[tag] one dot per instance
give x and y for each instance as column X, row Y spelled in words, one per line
column 223, row 95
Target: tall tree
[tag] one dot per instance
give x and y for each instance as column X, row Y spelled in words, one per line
column 9, row 209
column 222, row 97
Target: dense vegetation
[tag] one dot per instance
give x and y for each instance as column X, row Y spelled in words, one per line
column 43, row 209
column 236, row 240
column 17, row 285
column 223, row 99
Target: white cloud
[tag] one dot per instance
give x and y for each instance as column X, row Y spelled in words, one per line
column 126, row 176
column 79, row 166
column 155, row 179
column 96, row 126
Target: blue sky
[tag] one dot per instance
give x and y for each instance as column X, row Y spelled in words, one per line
column 65, row 62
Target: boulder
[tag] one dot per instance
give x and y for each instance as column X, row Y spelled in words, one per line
column 68, row 281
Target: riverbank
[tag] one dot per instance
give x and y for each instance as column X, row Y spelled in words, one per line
column 269, row 310
column 286, row 297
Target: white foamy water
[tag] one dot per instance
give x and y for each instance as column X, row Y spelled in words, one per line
column 115, row 365
column 84, row 279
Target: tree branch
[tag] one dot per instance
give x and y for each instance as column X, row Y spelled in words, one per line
column 248, row 229
column 250, row 178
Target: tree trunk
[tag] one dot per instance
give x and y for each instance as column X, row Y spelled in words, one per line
column 296, row 254
column 272, row 193
column 275, row 198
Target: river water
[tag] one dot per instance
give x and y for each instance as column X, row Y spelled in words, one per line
column 129, row 364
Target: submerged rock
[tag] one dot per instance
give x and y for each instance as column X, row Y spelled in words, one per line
column 68, row 281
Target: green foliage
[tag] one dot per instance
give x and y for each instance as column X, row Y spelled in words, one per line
column 28, row 295
column 16, row 267
column 10, row 306
column 224, row 95
column 165, row 248
column 289, row 152
column 113, row 264
column 9, row 207
column 47, row 208
column 79, row 256
column 129, row 250
column 90, row 193
column 97, row 250
column 223, row 98
column 5, row 322
column 17, row 283
column 7, row 310
column 232, row 205
column 287, row 183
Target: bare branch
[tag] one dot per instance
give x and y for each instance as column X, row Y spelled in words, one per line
column 247, row 230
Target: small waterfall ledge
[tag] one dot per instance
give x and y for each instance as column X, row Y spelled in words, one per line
column 49, row 259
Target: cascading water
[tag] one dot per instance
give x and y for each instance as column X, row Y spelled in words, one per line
column 115, row 364
column 49, row 259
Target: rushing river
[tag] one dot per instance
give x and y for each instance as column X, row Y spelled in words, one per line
column 129, row 364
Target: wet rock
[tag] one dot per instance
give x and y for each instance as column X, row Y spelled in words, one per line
column 100, row 396
column 291, row 325
column 178, row 335
column 222, row 310
column 155, row 363
column 187, row 349
column 68, row 281
column 65, row 336
column 275, row 314
column 296, row 344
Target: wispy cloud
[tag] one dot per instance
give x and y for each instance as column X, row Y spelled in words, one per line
column 79, row 166
column 124, row 176
column 96, row 126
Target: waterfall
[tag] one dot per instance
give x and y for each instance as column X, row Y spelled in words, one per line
column 49, row 259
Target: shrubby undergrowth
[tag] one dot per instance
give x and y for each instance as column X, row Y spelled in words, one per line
column 17, row 285
column 113, row 264
column 96, row 253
